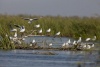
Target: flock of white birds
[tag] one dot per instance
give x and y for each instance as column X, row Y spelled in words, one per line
column 67, row 44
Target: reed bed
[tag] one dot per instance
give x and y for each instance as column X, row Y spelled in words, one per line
column 68, row 26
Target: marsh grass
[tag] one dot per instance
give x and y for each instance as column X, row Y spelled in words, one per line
column 68, row 26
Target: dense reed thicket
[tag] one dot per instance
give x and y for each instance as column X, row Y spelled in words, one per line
column 68, row 26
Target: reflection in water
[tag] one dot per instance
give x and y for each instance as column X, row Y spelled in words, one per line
column 39, row 58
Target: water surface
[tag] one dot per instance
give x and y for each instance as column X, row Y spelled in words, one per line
column 38, row 58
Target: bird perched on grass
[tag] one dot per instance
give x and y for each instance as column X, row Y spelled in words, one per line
column 37, row 26
column 58, row 33
column 40, row 31
column 48, row 31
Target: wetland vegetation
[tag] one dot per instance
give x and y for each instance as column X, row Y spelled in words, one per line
column 68, row 26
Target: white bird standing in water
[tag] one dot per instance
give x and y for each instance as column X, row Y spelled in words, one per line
column 48, row 31
column 93, row 39
column 64, row 44
column 33, row 41
column 79, row 40
column 50, row 44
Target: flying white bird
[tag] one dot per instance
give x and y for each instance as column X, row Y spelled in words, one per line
column 30, row 19
column 22, row 29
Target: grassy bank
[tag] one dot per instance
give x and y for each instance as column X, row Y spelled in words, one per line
column 68, row 26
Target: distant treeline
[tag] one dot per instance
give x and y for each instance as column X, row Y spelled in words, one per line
column 68, row 26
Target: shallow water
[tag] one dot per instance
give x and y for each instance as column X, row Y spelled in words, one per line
column 56, row 41
column 41, row 58
column 38, row 58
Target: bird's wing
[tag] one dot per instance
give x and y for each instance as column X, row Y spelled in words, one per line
column 35, row 18
column 10, row 26
column 26, row 18
column 17, row 25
